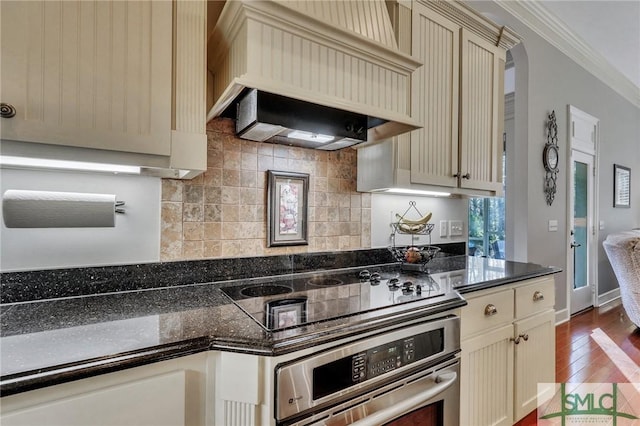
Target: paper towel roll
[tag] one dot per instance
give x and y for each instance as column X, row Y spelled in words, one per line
column 46, row 209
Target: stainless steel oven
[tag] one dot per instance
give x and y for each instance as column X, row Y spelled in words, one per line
column 406, row 376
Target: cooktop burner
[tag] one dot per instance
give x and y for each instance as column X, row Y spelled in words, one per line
column 265, row 290
column 294, row 300
column 324, row 281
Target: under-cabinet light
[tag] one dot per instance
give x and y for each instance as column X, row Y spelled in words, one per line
column 416, row 192
column 40, row 163
column 310, row 137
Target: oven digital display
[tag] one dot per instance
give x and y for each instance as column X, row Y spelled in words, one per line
column 380, row 355
column 345, row 372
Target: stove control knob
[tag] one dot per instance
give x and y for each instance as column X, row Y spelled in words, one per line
column 364, row 275
column 393, row 282
column 375, row 277
column 407, row 287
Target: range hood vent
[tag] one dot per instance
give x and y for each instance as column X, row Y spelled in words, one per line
column 265, row 117
column 290, row 74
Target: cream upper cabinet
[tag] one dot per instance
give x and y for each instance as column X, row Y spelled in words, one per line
column 435, row 93
column 89, row 74
column 105, row 75
column 457, row 96
column 482, row 114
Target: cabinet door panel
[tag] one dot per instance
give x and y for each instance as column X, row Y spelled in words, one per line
column 486, row 379
column 435, row 87
column 154, row 401
column 535, row 360
column 90, row 74
column 482, row 114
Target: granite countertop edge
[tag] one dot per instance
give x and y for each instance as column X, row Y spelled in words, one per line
column 504, row 281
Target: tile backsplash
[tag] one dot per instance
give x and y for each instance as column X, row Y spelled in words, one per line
column 222, row 213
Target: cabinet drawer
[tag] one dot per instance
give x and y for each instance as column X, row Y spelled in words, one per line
column 485, row 312
column 535, row 297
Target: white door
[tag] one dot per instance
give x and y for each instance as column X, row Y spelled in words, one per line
column 582, row 253
column 581, row 227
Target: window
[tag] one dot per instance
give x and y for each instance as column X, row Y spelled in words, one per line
column 486, row 222
column 486, row 227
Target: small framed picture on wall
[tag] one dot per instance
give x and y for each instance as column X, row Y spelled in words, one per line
column 621, row 186
column 287, row 207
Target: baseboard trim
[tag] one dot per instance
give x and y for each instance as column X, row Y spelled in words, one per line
column 562, row 316
column 608, row 297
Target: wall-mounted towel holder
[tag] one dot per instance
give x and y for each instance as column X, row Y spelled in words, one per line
column 48, row 209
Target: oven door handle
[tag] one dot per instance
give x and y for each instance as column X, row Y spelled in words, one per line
column 440, row 384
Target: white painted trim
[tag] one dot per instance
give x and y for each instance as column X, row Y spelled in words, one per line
column 593, row 237
column 608, row 297
column 562, row 316
column 535, row 16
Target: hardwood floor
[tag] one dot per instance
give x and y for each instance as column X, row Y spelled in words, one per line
column 579, row 359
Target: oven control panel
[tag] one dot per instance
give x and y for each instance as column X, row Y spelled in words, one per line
column 390, row 356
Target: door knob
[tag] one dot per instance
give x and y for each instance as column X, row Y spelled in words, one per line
column 574, row 245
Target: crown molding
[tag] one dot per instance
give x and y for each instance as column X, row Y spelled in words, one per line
column 473, row 21
column 535, row 16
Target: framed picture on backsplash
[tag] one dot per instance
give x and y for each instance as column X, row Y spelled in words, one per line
column 287, row 208
column 621, row 186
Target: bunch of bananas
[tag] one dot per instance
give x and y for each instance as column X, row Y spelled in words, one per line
column 413, row 226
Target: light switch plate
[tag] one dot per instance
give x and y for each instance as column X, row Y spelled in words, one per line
column 455, row 228
column 443, row 228
column 553, row 226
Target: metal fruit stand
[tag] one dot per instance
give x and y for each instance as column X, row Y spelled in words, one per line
column 414, row 256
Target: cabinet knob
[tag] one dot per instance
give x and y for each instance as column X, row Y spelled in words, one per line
column 490, row 310
column 538, row 296
column 7, row 110
column 465, row 176
column 523, row 336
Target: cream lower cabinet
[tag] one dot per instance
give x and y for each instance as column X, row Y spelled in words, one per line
column 117, row 76
column 171, row 393
column 508, row 347
column 534, row 360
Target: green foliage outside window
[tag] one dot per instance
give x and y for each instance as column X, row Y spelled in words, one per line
column 487, row 227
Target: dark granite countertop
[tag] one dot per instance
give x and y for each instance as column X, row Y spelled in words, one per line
column 54, row 340
column 469, row 273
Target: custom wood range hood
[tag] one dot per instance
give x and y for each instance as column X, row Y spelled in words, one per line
column 334, row 57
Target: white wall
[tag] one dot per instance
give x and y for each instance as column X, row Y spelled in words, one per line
column 547, row 80
column 134, row 239
column 385, row 206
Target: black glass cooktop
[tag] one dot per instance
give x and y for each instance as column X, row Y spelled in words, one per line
column 292, row 301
